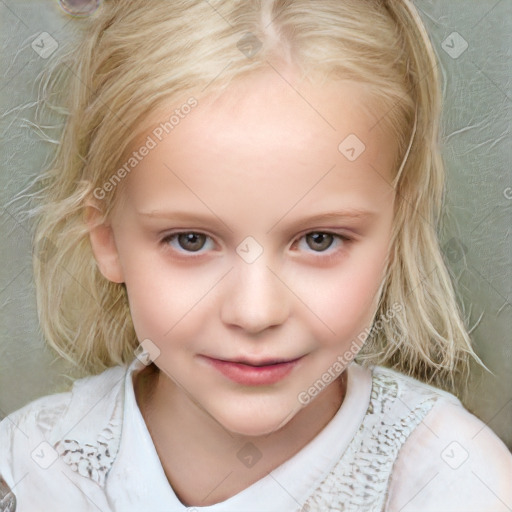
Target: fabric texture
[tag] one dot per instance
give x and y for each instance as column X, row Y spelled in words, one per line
column 360, row 480
column 90, row 449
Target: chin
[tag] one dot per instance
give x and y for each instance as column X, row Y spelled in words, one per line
column 249, row 429
column 255, row 424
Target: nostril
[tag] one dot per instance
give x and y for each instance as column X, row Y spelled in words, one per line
column 79, row 7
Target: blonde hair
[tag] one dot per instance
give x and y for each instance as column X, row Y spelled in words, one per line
column 137, row 55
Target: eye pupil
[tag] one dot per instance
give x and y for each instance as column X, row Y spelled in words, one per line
column 191, row 241
column 319, row 240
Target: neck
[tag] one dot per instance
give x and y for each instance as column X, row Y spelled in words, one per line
column 206, row 463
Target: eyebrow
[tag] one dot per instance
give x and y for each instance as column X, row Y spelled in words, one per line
column 349, row 213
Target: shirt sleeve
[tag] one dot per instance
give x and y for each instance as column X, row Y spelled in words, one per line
column 451, row 462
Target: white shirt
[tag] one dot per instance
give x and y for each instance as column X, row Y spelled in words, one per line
column 394, row 444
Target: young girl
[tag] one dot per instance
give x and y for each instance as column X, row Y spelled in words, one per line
column 244, row 203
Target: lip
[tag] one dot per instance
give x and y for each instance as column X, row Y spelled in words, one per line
column 254, row 373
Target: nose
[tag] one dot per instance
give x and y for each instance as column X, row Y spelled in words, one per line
column 255, row 297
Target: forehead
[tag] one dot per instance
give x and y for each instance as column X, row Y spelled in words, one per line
column 264, row 134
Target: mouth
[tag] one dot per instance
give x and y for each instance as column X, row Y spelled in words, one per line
column 250, row 372
column 258, row 364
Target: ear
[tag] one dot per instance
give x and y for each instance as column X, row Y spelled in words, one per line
column 103, row 244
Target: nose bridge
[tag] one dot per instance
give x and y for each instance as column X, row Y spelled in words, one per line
column 256, row 298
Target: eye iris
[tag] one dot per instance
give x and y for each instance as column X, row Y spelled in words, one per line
column 320, row 239
column 195, row 241
column 191, row 241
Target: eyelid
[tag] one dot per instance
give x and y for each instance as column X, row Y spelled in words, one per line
column 345, row 234
column 341, row 232
column 343, row 237
column 179, row 231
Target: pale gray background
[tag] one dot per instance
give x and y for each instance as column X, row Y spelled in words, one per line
column 477, row 152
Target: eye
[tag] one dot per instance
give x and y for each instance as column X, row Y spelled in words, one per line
column 320, row 241
column 316, row 241
column 186, row 241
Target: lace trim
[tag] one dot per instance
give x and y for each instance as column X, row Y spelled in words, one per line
column 360, row 479
column 94, row 460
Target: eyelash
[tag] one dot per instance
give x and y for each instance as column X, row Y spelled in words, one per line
column 346, row 240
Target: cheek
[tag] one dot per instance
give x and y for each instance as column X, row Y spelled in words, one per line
column 165, row 299
column 344, row 300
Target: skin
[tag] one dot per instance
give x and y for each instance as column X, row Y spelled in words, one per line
column 260, row 161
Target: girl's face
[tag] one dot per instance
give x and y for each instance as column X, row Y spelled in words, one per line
column 256, row 231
